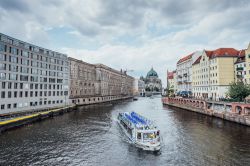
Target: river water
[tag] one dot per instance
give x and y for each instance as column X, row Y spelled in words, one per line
column 90, row 136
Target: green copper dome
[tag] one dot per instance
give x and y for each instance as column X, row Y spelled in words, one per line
column 151, row 73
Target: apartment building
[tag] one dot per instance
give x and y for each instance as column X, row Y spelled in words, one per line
column 172, row 80
column 247, row 61
column 139, row 87
column 113, row 83
column 82, row 81
column 184, row 73
column 213, row 71
column 31, row 77
column 94, row 83
column 240, row 67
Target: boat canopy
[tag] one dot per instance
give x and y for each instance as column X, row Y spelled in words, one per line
column 138, row 120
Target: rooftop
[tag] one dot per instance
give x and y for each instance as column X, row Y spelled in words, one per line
column 185, row 58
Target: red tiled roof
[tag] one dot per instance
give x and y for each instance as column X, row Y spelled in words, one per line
column 223, row 52
column 241, row 57
column 197, row 60
column 185, row 58
column 209, row 53
column 242, row 53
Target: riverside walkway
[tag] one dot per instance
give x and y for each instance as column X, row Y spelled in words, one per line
column 235, row 112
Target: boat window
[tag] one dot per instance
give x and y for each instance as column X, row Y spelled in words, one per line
column 149, row 136
column 158, row 132
column 138, row 135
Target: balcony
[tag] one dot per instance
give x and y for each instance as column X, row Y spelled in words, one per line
column 239, row 76
column 239, row 68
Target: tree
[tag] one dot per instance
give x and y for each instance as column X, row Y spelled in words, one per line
column 238, row 91
column 169, row 92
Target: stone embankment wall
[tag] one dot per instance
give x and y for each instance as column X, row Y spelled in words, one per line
column 97, row 100
column 235, row 112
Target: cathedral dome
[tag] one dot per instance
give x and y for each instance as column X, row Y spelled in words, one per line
column 152, row 73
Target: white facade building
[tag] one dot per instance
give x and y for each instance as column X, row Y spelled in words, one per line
column 31, row 77
column 240, row 68
column 139, row 87
column 184, row 72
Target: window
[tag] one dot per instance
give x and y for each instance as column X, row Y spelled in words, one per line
column 34, row 63
column 24, row 70
column 15, row 85
column 2, row 66
column 31, row 93
column 2, row 76
column 34, row 71
column 13, row 77
column 21, row 85
column 2, row 57
column 13, row 68
column 14, row 105
column 25, row 54
column 1, row 47
column 24, row 62
column 26, row 93
column 24, row 78
column 9, row 106
column 3, row 95
column 15, row 94
column 3, row 85
column 9, row 85
column 13, row 59
column 2, row 107
column 9, row 94
column 21, row 94
column 34, row 78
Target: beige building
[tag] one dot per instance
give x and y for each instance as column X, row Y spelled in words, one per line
column 212, row 72
column 247, row 60
column 82, row 79
column 91, row 83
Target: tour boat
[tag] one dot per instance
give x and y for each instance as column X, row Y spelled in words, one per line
column 141, row 131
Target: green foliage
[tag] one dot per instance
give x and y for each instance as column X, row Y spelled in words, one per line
column 238, row 91
column 169, row 92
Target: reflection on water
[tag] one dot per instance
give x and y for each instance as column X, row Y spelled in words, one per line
column 90, row 136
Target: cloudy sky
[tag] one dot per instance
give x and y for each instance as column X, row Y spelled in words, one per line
column 128, row 34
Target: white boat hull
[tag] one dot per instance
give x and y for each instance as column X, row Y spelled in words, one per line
column 145, row 146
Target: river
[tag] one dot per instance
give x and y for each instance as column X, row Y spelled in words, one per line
column 90, row 136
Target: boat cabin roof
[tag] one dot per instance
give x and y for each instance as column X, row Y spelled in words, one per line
column 138, row 121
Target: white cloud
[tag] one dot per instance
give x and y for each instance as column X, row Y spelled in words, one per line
column 178, row 28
